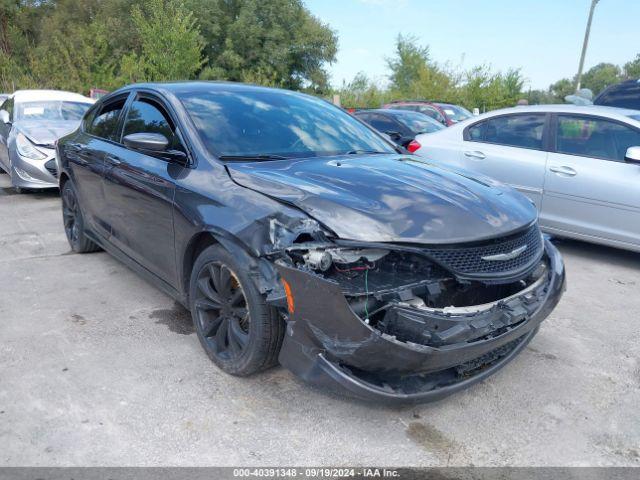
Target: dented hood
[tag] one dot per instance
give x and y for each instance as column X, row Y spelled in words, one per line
column 44, row 132
column 390, row 198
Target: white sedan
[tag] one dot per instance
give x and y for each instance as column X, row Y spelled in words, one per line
column 30, row 123
column 580, row 165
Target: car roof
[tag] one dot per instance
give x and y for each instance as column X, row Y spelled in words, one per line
column 389, row 111
column 199, row 86
column 36, row 95
column 558, row 108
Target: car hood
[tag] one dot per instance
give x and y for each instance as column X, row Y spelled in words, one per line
column 390, row 198
column 46, row 133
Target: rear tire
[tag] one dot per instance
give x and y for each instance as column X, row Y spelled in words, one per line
column 239, row 331
column 73, row 222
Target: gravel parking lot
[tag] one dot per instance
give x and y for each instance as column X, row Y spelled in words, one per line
column 97, row 367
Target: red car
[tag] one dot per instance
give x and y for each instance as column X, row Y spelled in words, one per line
column 445, row 113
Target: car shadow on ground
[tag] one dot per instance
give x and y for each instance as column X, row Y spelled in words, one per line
column 600, row 253
column 31, row 194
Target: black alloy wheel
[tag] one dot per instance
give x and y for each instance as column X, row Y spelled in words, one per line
column 238, row 330
column 70, row 215
column 73, row 222
column 222, row 311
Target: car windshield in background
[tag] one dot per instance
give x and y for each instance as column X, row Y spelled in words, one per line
column 420, row 123
column 272, row 124
column 51, row 110
column 455, row 112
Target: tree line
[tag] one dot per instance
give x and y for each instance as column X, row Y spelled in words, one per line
column 81, row 44
column 413, row 74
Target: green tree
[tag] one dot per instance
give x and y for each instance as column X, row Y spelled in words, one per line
column 362, row 92
column 561, row 89
column 601, row 76
column 76, row 60
column 632, row 68
column 540, row 97
column 79, row 44
column 170, row 43
column 409, row 60
column 273, row 42
column 414, row 75
column 488, row 90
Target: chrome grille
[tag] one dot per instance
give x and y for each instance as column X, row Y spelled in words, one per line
column 467, row 260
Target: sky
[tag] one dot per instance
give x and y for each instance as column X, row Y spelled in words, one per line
column 541, row 37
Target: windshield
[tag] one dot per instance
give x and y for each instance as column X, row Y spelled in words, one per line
column 276, row 123
column 420, row 123
column 51, row 110
column 455, row 112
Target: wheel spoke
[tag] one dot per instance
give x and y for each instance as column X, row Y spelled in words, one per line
column 222, row 281
column 221, row 334
column 70, row 201
column 205, row 287
column 213, row 327
column 237, row 336
column 207, row 304
column 68, row 221
column 240, row 312
column 236, row 297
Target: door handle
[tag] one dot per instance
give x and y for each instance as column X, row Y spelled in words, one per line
column 474, row 154
column 564, row 170
column 73, row 147
column 112, row 160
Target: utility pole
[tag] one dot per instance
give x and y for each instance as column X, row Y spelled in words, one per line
column 585, row 43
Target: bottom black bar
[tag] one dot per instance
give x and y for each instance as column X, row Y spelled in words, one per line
column 224, row 473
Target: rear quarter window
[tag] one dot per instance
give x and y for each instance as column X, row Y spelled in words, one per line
column 519, row 130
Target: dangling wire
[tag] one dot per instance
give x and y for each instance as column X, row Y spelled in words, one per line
column 366, row 290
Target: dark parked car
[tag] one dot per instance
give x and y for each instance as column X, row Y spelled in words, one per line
column 295, row 233
column 446, row 113
column 622, row 95
column 401, row 126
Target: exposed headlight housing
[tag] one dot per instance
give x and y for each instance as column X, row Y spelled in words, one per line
column 27, row 149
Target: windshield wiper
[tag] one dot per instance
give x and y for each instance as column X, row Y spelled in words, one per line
column 365, row 152
column 256, row 158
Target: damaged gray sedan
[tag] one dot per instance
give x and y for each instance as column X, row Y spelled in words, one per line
column 296, row 234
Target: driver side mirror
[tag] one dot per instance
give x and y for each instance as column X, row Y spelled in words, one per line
column 154, row 144
column 4, row 117
column 632, row 155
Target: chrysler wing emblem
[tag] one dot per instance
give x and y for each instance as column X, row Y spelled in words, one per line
column 500, row 257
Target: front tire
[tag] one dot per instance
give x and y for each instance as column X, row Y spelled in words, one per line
column 73, row 222
column 239, row 331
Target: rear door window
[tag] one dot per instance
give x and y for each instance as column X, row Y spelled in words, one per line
column 521, row 130
column 104, row 124
column 594, row 137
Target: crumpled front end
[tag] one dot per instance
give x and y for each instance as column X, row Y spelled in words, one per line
column 395, row 323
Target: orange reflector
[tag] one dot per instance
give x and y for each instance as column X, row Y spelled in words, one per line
column 287, row 290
